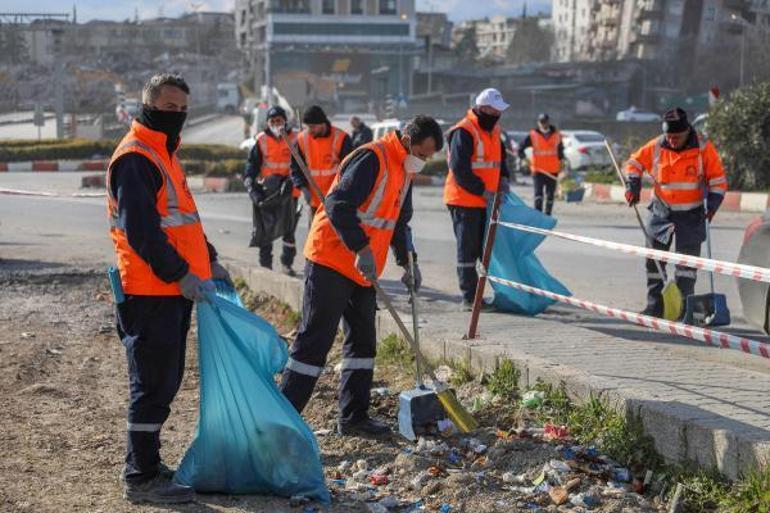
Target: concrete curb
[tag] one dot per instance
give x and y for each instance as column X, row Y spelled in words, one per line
column 53, row 166
column 734, row 201
column 680, row 432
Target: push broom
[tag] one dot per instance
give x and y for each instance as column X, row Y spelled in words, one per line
column 671, row 295
column 456, row 412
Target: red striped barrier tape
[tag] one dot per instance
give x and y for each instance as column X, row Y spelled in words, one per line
column 749, row 272
column 709, row 337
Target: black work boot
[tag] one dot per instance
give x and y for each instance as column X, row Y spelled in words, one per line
column 365, row 427
column 653, row 310
column 158, row 490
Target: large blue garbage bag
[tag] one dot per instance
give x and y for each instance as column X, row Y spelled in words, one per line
column 249, row 439
column 513, row 259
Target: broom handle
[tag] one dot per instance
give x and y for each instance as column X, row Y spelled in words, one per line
column 303, row 167
column 708, row 234
column 380, row 292
column 487, row 256
column 636, row 207
column 415, row 321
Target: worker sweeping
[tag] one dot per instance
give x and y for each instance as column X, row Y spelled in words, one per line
column 682, row 166
column 546, row 162
column 267, row 175
column 477, row 167
column 367, row 210
column 321, row 147
column 164, row 262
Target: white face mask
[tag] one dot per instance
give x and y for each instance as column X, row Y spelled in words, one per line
column 276, row 130
column 413, row 164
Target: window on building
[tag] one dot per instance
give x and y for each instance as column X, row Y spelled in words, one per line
column 387, row 6
column 356, row 6
column 290, row 6
column 329, row 7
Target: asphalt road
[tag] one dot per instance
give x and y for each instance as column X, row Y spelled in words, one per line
column 222, row 130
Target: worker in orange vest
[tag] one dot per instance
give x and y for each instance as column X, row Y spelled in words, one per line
column 367, row 210
column 477, row 169
column 269, row 167
column 165, row 263
column 683, row 167
column 546, row 162
column 322, row 147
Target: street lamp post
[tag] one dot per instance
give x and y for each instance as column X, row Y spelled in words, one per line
column 743, row 25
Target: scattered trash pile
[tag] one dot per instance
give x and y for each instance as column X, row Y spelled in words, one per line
column 533, row 468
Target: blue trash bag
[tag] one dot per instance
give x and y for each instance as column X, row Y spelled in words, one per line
column 250, row 439
column 513, row 259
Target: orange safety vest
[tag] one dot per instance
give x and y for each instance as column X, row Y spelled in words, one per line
column 276, row 157
column 545, row 152
column 179, row 218
column 485, row 163
column 680, row 176
column 322, row 156
column 378, row 214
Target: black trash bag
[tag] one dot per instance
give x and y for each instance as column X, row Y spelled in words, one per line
column 274, row 210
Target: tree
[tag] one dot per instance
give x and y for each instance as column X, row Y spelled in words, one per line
column 530, row 43
column 13, row 46
column 467, row 50
column 740, row 128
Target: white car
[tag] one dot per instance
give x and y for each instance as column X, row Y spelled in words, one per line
column 381, row 128
column 634, row 114
column 248, row 143
column 584, row 149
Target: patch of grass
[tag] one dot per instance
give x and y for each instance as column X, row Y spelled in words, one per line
column 276, row 312
column 750, row 494
column 504, row 382
column 461, row 372
column 704, row 490
column 393, row 350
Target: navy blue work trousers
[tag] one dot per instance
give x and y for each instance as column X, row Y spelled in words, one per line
column 330, row 296
column 469, row 226
column 153, row 330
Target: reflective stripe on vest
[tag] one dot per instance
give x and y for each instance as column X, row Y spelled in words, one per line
column 174, row 217
column 317, row 172
column 676, row 186
column 266, row 162
column 367, row 217
column 479, row 162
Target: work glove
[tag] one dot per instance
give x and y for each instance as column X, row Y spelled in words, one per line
column 218, row 272
column 365, row 264
column 286, row 187
column 307, row 195
column 633, row 191
column 489, row 196
column 192, row 287
column 713, row 202
column 410, row 281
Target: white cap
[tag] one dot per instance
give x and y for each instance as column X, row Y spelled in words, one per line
column 492, row 98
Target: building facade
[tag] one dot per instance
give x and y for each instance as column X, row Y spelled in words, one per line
column 338, row 51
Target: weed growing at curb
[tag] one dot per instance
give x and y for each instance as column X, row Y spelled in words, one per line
column 504, row 382
column 461, row 373
column 393, row 350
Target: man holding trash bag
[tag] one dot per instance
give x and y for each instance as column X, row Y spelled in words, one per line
column 682, row 165
column 367, row 210
column 274, row 200
column 165, row 263
column 476, row 168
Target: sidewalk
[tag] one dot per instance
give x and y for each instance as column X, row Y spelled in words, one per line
column 708, row 412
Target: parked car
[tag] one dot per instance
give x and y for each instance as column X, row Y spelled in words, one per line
column 584, row 149
column 755, row 250
column 634, row 114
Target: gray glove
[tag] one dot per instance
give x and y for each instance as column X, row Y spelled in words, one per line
column 410, row 281
column 365, row 264
column 489, row 196
column 307, row 195
column 192, row 287
column 218, row 272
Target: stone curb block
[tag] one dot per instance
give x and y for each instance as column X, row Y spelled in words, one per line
column 734, row 201
column 681, row 432
column 53, row 166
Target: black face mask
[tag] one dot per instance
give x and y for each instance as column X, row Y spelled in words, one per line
column 165, row 121
column 486, row 121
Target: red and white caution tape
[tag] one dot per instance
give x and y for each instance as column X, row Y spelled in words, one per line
column 749, row 272
column 709, row 337
column 21, row 192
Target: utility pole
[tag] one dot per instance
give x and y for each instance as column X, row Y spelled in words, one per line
column 268, row 74
column 430, row 64
column 744, row 25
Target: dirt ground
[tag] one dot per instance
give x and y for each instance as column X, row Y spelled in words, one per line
column 63, row 392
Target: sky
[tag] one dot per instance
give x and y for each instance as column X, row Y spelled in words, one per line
column 122, row 9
